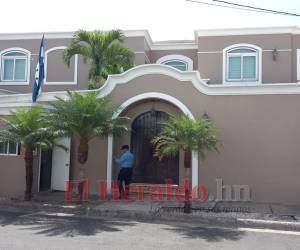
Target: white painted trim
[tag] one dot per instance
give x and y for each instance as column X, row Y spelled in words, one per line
column 263, row 50
column 28, row 62
column 146, row 96
column 298, row 64
column 12, row 101
column 258, row 64
column 109, row 163
column 174, row 46
column 248, row 31
column 74, row 82
column 187, row 60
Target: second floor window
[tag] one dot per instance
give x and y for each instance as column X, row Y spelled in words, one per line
column 14, row 66
column 242, row 65
column 177, row 64
column 180, row 62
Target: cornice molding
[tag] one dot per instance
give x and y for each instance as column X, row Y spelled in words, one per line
column 248, row 31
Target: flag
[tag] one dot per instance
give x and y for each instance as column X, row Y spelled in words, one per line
column 39, row 73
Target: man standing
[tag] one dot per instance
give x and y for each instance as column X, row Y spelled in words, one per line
column 126, row 164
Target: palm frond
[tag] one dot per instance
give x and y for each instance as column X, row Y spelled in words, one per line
column 184, row 133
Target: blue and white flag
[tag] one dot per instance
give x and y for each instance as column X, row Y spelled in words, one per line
column 39, row 73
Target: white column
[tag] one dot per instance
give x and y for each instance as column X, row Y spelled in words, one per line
column 195, row 172
column 109, row 163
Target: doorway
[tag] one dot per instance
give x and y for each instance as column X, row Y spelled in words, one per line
column 147, row 168
column 45, row 169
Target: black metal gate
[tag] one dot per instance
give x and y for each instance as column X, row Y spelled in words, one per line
column 147, row 168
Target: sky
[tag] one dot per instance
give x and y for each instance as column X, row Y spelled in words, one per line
column 165, row 19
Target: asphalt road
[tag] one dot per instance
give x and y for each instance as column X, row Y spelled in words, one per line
column 22, row 230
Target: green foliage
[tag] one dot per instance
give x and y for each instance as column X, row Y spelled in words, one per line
column 104, row 52
column 29, row 127
column 183, row 133
column 85, row 116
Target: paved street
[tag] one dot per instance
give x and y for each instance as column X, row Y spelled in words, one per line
column 21, row 230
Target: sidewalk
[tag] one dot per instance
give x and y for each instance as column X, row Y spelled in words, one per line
column 233, row 214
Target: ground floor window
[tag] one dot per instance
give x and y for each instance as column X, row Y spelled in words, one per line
column 9, row 148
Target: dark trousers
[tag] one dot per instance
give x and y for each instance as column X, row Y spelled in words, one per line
column 125, row 175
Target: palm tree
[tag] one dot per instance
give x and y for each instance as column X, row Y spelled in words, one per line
column 105, row 53
column 184, row 133
column 85, row 117
column 30, row 128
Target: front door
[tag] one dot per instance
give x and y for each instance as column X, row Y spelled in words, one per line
column 147, row 168
column 45, row 169
column 61, row 165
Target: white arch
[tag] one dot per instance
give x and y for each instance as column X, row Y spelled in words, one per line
column 183, row 58
column 74, row 82
column 150, row 95
column 28, row 54
column 258, row 61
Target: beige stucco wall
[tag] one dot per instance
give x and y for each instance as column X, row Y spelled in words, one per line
column 259, row 134
column 12, row 175
column 57, row 70
column 210, row 56
column 95, row 167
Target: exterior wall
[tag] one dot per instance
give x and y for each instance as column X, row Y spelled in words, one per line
column 12, row 177
column 58, row 72
column 61, row 75
column 265, row 159
column 210, row 56
column 95, row 167
column 137, row 44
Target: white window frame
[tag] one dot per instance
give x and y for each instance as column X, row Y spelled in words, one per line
column 27, row 56
column 298, row 65
column 226, row 56
column 182, row 58
column 7, row 151
column 74, row 82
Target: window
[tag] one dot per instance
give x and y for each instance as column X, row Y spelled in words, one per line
column 179, row 62
column 242, row 64
column 14, row 66
column 9, row 148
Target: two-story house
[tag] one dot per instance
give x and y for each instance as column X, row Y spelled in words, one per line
column 244, row 80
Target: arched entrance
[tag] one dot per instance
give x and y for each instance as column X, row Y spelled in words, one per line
column 146, row 96
column 147, row 168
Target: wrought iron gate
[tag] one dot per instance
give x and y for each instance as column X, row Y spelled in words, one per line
column 147, row 168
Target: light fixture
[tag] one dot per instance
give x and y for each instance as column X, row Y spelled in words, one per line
column 275, row 54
